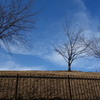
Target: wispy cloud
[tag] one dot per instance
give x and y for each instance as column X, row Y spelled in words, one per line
column 83, row 17
column 11, row 65
column 39, row 49
column 80, row 5
column 55, row 58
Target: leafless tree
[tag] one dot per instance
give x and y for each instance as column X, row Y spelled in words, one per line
column 94, row 47
column 17, row 17
column 74, row 46
column 97, row 70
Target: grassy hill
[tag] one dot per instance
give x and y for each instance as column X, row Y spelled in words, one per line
column 77, row 73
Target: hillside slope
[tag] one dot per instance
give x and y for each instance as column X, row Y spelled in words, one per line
column 52, row 72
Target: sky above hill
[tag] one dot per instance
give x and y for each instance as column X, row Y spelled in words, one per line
column 49, row 31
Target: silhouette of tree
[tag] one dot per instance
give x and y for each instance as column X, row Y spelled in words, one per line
column 17, row 17
column 94, row 47
column 74, row 46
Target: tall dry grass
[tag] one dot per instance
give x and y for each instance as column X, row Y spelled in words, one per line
column 56, row 86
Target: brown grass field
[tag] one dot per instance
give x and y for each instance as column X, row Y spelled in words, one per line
column 52, row 72
column 49, row 88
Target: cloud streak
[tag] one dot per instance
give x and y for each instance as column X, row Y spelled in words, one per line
column 55, row 58
column 11, row 65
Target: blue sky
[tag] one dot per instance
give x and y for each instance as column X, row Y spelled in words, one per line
column 49, row 31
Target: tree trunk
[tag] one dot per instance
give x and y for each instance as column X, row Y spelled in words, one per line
column 69, row 67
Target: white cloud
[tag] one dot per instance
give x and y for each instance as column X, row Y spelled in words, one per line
column 39, row 49
column 56, row 58
column 82, row 17
column 82, row 14
column 90, row 68
column 11, row 65
column 80, row 4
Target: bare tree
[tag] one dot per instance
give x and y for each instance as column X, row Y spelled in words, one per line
column 94, row 47
column 17, row 17
column 97, row 70
column 74, row 46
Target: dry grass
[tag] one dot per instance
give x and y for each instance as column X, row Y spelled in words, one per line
column 51, row 88
column 51, row 72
